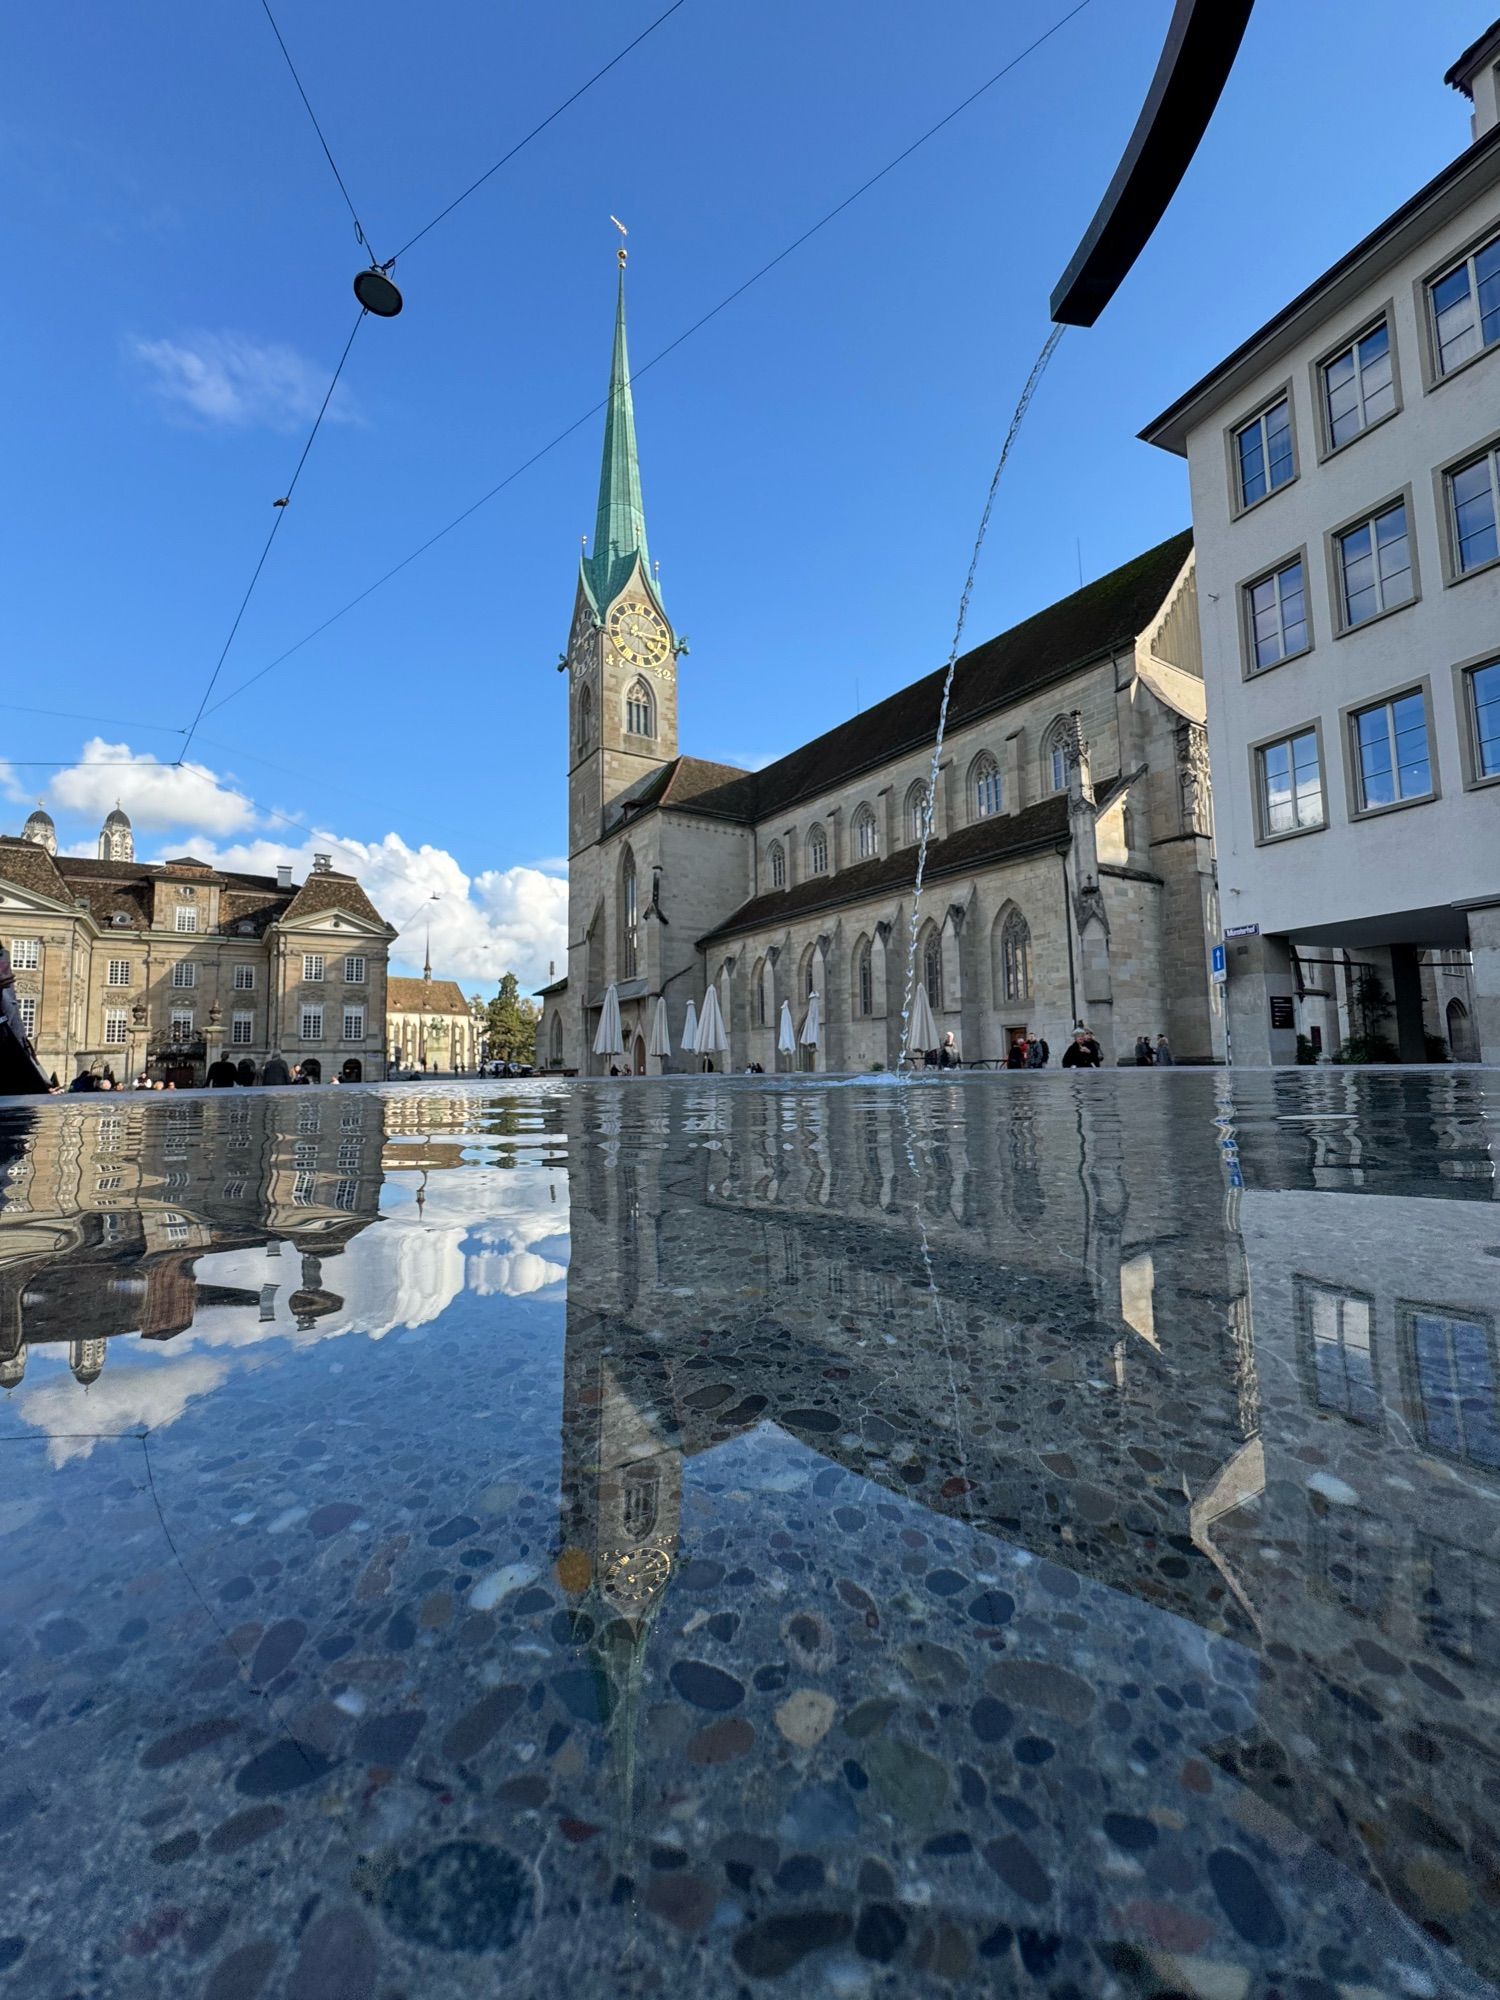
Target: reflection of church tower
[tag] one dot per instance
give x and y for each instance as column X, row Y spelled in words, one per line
column 39, row 829
column 116, row 840
column 13, row 1366
column 86, row 1359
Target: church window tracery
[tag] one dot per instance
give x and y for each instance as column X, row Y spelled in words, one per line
column 864, row 979
column 916, row 811
column 586, row 718
column 932, row 970
column 1015, row 957
column 1055, row 756
column 866, row 834
column 817, row 851
column 778, row 865
column 985, row 790
column 640, row 709
column 630, row 935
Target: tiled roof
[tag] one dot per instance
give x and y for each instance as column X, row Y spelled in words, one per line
column 1002, row 838
column 546, row 992
column 443, row 996
column 31, row 867
column 331, row 892
column 256, row 907
column 1112, row 611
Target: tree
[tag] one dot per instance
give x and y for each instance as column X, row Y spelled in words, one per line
column 510, row 1024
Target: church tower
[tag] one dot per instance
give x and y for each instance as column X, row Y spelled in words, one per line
column 622, row 652
column 116, row 840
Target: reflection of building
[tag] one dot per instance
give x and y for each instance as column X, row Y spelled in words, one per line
column 108, row 1208
column 429, row 1025
column 1346, row 505
column 163, row 966
column 1070, row 870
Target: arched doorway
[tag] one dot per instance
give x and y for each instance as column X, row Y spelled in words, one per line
column 353, row 1070
column 1461, row 1033
column 638, row 1056
column 311, row 1067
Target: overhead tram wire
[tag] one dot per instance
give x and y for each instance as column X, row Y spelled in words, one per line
column 359, row 228
column 661, row 355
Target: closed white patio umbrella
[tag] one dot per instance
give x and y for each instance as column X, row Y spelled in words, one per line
column 608, row 1041
column 711, row 1040
column 690, row 1027
column 660, row 1042
column 811, row 1023
column 786, row 1034
column 924, row 1034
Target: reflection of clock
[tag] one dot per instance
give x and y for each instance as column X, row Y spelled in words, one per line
column 639, row 635
column 635, row 1575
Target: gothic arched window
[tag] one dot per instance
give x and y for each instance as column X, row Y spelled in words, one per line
column 817, row 851
column 984, row 786
column 758, row 988
column 777, row 859
column 1015, row 957
column 557, row 1035
column 630, row 931
column 866, row 834
column 585, row 717
column 1055, row 756
column 640, row 709
column 864, row 979
column 808, row 978
column 932, row 970
column 916, row 811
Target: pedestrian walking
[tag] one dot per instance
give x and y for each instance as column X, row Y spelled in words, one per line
column 244, row 1071
column 1039, row 1054
column 1016, row 1055
column 1144, row 1056
column 275, row 1071
column 222, row 1074
column 1164, row 1056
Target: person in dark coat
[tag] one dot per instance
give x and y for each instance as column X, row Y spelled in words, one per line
column 1039, row 1053
column 275, row 1071
column 1083, row 1052
column 1144, row 1056
column 948, row 1056
column 222, row 1074
column 244, row 1070
column 1015, row 1055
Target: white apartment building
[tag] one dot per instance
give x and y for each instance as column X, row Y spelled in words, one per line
column 1345, row 472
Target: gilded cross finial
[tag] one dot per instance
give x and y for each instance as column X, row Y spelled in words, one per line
column 622, row 253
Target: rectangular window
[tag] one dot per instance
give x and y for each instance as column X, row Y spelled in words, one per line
column 116, row 1027
column 186, row 917
column 1465, row 307
column 1473, row 510
column 1358, row 385
column 354, row 1024
column 242, row 1030
column 27, row 1004
column 312, row 1024
column 1277, row 612
column 302, row 1191
column 312, row 966
column 345, row 1194
column 1290, row 784
column 354, row 971
column 1336, row 1330
column 1391, row 756
column 1375, row 565
column 1263, row 453
column 1484, row 718
column 1455, row 1371
column 184, row 973
column 119, row 972
column 182, row 1024
column 244, row 979
column 25, row 954
column 234, row 1191
column 305, row 1153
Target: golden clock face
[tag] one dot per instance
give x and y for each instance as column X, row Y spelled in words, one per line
column 639, row 635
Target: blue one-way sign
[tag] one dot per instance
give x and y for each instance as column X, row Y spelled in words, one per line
column 1219, row 972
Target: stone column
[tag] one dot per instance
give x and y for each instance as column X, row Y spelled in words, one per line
column 1484, row 943
column 1260, row 972
column 1406, row 989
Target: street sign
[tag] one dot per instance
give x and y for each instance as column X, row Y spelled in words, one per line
column 1220, row 972
column 1283, row 1011
column 1241, row 930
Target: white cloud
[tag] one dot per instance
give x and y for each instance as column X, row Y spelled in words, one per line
column 122, row 1399
column 154, row 794
column 10, row 785
column 233, row 380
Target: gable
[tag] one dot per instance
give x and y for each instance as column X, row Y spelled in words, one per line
column 333, row 923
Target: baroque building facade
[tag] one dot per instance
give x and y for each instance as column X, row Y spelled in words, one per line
column 1070, row 872
column 162, row 966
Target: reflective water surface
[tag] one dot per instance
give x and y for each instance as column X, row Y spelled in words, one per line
column 1034, row 1533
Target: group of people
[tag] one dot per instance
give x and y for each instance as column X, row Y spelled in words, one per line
column 222, row 1075
column 1147, row 1057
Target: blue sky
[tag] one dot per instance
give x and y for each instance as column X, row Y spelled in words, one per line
column 813, row 461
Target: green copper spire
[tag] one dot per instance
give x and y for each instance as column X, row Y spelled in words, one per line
column 620, row 525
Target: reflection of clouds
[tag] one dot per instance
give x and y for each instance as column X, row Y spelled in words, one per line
column 123, row 1399
column 512, row 1274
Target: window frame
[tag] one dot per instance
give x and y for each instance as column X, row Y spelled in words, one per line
column 185, row 919
column 1020, row 991
column 1264, row 835
column 1354, row 771
column 184, row 975
column 306, row 1014
column 914, row 811
column 241, row 1018
column 357, row 1015
column 1333, row 546
column 1474, row 779
column 864, row 980
column 30, row 1010
column 648, row 708
column 1407, row 1312
column 866, row 817
column 1434, row 374
column 116, row 1027
column 817, row 849
column 117, row 965
column 984, row 769
column 182, row 1024
column 1282, row 393
column 776, row 864
column 1326, row 447
column 320, row 960
column 29, row 960
column 1249, row 670
column 1442, row 485
column 362, row 977
column 1305, row 1290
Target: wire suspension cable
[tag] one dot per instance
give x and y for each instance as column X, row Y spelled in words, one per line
column 281, row 510
column 645, row 367
column 359, row 229
column 536, row 130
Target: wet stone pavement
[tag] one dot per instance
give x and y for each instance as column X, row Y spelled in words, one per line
column 1027, row 1534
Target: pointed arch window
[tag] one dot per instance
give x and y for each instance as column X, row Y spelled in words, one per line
column 864, row 979
column 932, row 970
column 630, row 930
column 866, row 834
column 1015, row 957
column 778, row 865
column 585, row 717
column 985, row 792
column 758, row 989
column 1055, row 756
column 817, row 851
column 916, row 811
column 640, row 709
